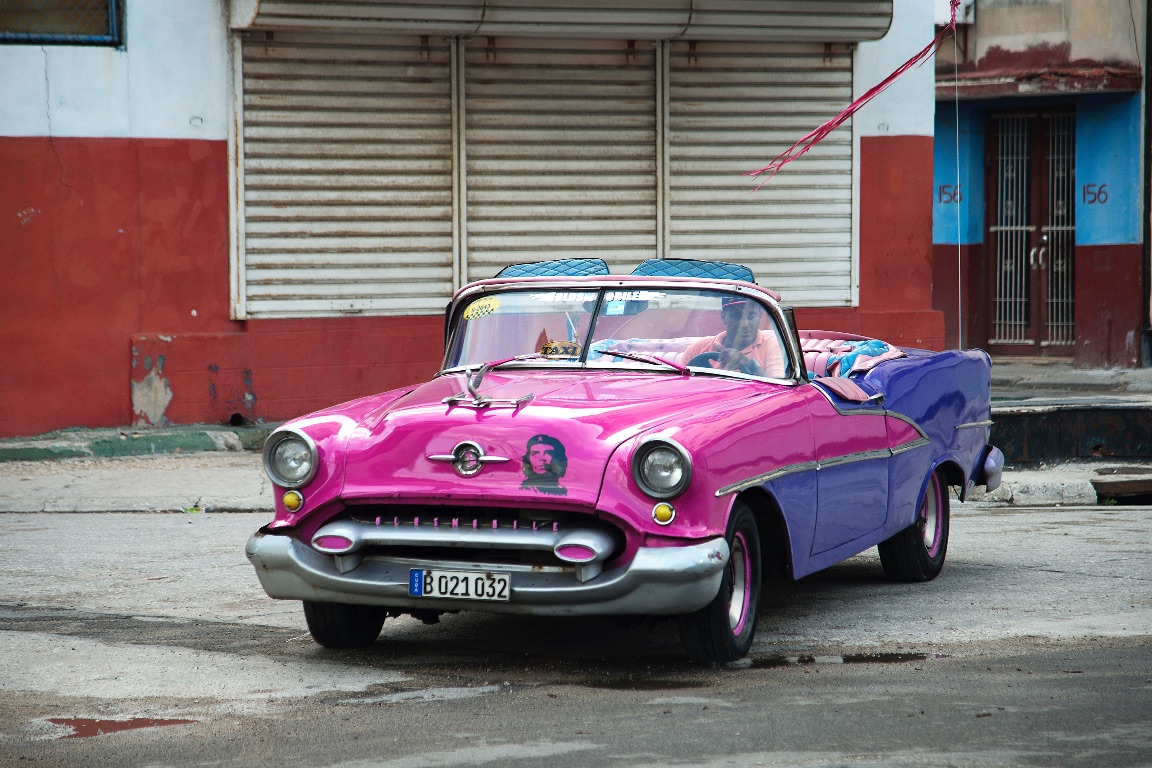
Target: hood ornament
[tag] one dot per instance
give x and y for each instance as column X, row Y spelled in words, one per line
column 467, row 458
column 472, row 382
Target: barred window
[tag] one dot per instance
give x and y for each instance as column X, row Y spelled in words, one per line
column 61, row 22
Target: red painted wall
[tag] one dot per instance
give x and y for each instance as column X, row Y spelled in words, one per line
column 963, row 304
column 1108, row 301
column 115, row 297
column 101, row 237
column 274, row 370
column 115, row 256
column 1109, row 306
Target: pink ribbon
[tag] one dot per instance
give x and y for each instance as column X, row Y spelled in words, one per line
column 815, row 137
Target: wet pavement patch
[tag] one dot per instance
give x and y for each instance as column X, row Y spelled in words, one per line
column 775, row 662
column 641, row 684
column 197, row 634
column 83, row 727
column 426, row 694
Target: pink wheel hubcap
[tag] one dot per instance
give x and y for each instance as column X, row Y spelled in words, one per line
column 740, row 573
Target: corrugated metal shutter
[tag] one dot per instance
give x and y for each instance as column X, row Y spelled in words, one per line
column 764, row 20
column 733, row 107
column 561, row 148
column 347, row 175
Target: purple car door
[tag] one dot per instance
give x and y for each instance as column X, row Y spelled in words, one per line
column 852, row 481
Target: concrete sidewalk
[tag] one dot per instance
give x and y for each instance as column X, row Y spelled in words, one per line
column 190, row 483
column 234, row 481
column 94, row 443
column 1045, row 384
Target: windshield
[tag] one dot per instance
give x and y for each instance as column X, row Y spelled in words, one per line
column 704, row 329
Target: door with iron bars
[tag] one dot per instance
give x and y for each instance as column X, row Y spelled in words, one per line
column 1031, row 233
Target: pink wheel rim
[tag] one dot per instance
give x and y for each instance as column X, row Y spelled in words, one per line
column 740, row 574
column 931, row 524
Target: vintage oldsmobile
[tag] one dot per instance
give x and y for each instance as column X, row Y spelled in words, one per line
column 662, row 443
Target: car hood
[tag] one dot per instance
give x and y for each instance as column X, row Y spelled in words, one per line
column 401, row 450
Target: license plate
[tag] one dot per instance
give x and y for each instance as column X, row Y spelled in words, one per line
column 458, row 585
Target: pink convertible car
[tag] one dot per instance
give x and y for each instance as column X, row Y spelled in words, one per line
column 645, row 444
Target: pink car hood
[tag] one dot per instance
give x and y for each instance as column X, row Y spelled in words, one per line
column 579, row 417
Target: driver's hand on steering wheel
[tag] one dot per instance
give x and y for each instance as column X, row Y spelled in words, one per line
column 733, row 360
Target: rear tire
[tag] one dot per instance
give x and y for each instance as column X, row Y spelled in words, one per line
column 338, row 625
column 722, row 631
column 917, row 552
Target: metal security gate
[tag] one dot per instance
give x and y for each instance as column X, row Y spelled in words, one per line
column 733, row 107
column 377, row 173
column 346, row 196
column 1033, row 234
column 560, row 141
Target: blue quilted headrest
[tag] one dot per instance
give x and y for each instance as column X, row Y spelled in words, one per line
column 719, row 270
column 558, row 268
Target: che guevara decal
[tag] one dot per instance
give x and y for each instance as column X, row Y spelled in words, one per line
column 544, row 462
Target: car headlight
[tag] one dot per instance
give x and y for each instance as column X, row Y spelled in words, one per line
column 290, row 458
column 661, row 468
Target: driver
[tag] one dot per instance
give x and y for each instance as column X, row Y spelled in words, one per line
column 742, row 346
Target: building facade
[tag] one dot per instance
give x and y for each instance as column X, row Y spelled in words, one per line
column 241, row 211
column 1040, row 209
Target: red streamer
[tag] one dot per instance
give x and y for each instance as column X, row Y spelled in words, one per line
column 815, row 137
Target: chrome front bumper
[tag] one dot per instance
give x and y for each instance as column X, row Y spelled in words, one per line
column 658, row 581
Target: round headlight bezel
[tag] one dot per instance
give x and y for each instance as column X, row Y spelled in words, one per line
column 274, row 442
column 644, row 450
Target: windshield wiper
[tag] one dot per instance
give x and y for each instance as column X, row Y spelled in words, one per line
column 643, row 358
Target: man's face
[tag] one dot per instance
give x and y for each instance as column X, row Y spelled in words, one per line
column 741, row 323
column 540, row 457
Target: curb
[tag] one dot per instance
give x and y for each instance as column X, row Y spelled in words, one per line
column 1028, row 492
column 1073, row 484
column 111, row 443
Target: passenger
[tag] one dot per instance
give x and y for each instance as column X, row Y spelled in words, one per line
column 743, row 345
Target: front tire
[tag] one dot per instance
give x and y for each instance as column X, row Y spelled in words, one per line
column 722, row 631
column 917, row 552
column 338, row 625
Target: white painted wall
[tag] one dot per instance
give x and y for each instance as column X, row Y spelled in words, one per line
column 908, row 107
column 173, row 80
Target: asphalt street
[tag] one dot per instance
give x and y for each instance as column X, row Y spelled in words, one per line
column 143, row 639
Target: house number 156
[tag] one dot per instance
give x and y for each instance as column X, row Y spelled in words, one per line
column 949, row 193
column 1095, row 193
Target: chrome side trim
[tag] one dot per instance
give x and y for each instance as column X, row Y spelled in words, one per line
column 901, row 417
column 791, row 469
column 975, row 424
column 849, row 458
column 807, row 466
column 857, row 412
column 862, row 412
column 910, row 446
column 852, row 458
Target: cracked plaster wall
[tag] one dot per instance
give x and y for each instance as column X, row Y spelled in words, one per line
column 1062, row 31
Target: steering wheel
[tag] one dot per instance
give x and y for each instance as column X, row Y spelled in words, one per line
column 701, row 360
